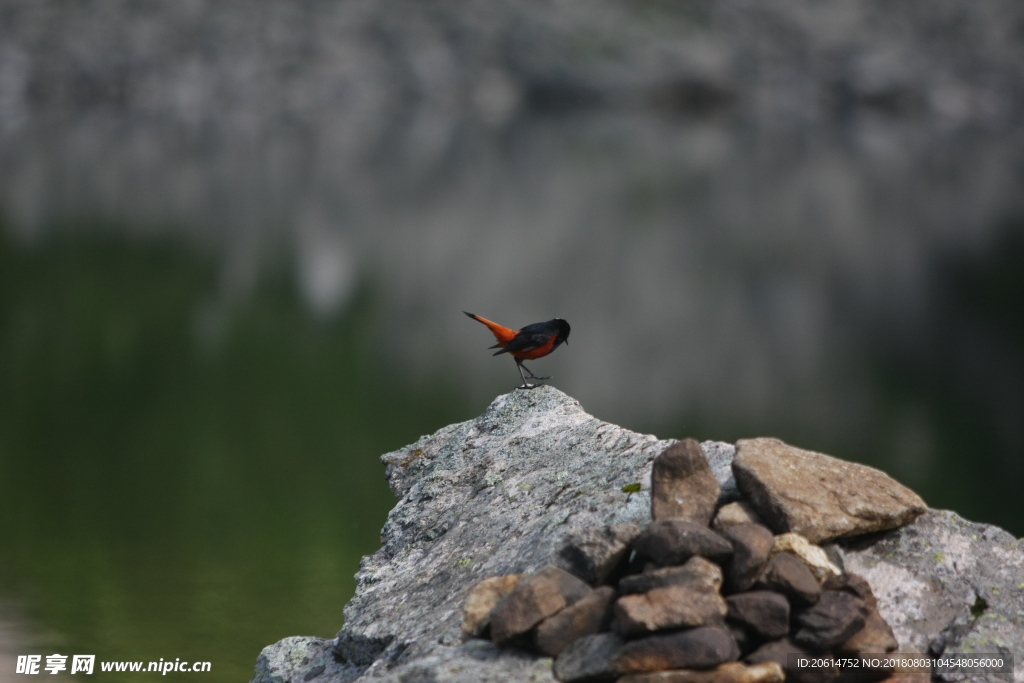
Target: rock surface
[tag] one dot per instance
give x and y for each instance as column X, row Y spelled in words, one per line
column 500, row 494
column 818, row 496
column 946, row 585
column 720, row 456
column 503, row 493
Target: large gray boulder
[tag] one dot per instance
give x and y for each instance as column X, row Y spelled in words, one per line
column 501, row 494
column 946, row 585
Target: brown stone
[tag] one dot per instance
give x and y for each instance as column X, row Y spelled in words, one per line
column 476, row 616
column 695, row 648
column 589, row 614
column 590, row 659
column 697, row 573
column 669, row 607
column 854, row 584
column 744, row 640
column 818, row 496
column 751, row 548
column 766, row 613
column 534, row 599
column 874, row 638
column 683, row 485
column 674, row 541
column 734, row 513
column 730, row 672
column 592, row 554
column 791, row 577
column 833, row 620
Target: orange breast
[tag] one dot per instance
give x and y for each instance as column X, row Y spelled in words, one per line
column 538, row 352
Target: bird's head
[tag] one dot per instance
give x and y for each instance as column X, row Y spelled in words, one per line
column 563, row 331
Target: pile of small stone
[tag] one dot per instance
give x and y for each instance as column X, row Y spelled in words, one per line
column 706, row 593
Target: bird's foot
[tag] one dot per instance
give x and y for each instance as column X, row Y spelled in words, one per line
column 539, row 378
column 527, row 387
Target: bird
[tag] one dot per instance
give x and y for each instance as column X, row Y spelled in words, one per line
column 532, row 342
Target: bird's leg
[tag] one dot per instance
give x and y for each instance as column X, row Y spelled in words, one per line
column 532, row 376
column 525, row 385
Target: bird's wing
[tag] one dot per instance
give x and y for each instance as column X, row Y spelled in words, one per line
column 529, row 338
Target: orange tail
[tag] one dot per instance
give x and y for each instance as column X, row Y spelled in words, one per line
column 501, row 333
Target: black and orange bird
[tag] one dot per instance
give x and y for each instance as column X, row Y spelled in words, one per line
column 532, row 342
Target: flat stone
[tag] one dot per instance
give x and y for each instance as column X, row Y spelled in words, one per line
column 697, row 573
column 590, row 659
column 818, row 496
column 833, row 620
column 791, row 577
column 588, row 615
column 813, row 556
column 766, row 613
column 695, row 648
column 669, row 607
column 674, row 541
column 476, row 615
column 682, row 484
column 534, row 599
column 751, row 548
column 875, row 637
column 730, row 672
column 592, row 554
column 737, row 512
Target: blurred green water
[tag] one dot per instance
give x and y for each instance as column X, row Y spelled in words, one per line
column 166, row 496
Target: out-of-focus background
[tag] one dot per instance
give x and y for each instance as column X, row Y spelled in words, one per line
column 236, row 240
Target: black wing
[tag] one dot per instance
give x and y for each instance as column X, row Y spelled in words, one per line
column 530, row 337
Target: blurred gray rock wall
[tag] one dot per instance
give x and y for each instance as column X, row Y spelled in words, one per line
column 733, row 202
